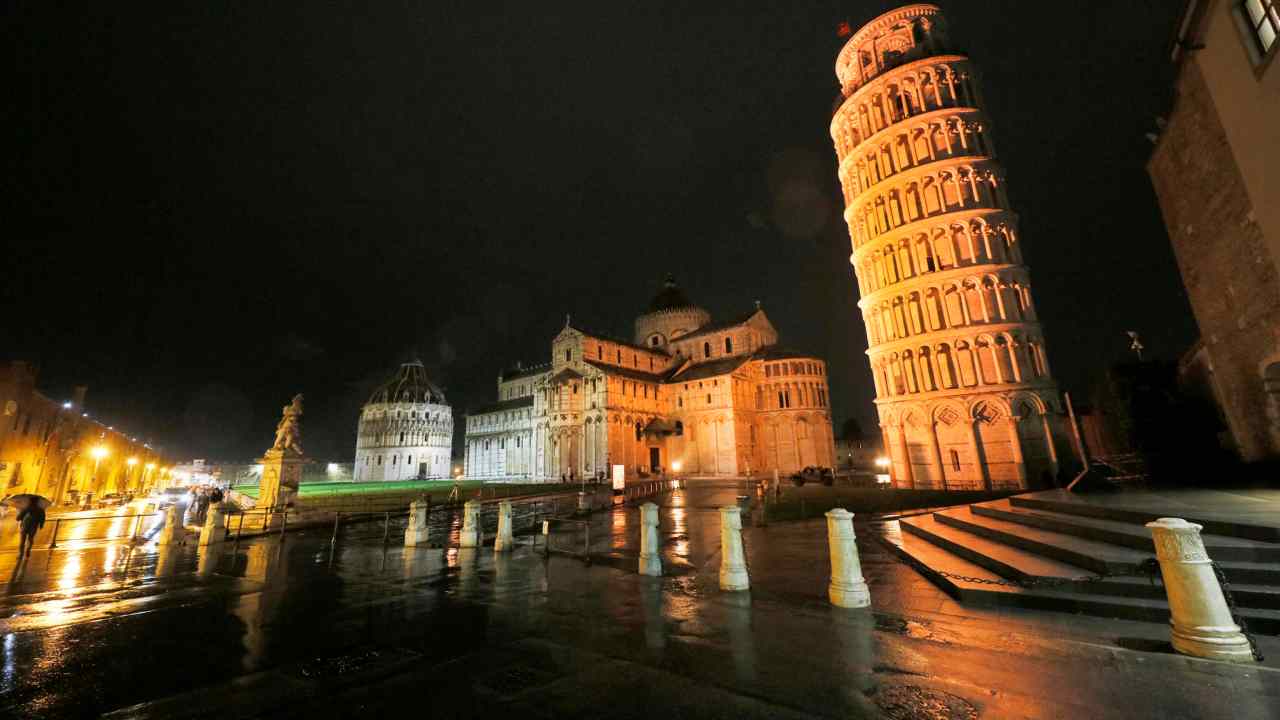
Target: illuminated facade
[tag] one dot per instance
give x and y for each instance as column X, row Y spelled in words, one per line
column 405, row 430
column 963, row 388
column 686, row 395
column 54, row 448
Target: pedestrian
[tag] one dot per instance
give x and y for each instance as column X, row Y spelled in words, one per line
column 30, row 520
column 203, row 507
column 217, row 495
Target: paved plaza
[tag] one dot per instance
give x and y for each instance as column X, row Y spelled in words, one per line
column 300, row 628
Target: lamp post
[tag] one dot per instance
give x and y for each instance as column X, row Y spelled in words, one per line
column 98, row 452
column 131, row 462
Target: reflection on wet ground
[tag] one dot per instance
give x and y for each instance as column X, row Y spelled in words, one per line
column 306, row 628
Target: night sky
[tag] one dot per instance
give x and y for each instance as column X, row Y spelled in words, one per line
column 216, row 206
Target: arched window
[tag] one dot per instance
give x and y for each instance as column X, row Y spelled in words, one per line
column 639, row 431
column 600, row 352
column 706, row 349
column 728, row 345
column 379, row 459
column 401, row 438
column 568, row 355
column 679, row 428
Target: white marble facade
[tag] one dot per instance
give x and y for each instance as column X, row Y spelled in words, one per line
column 405, row 430
column 687, row 395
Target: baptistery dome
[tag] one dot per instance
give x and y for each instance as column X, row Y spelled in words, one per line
column 405, row 430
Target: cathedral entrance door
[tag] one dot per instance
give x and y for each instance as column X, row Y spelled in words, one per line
column 655, row 459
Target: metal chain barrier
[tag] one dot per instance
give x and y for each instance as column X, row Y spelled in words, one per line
column 1235, row 614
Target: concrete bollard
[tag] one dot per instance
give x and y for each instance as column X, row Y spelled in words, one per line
column 416, row 533
column 470, row 535
column 584, row 503
column 173, row 533
column 214, row 530
column 650, row 561
column 1201, row 621
column 504, row 541
column 847, row 589
column 733, row 562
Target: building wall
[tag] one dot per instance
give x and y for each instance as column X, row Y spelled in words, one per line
column 954, row 338
column 403, row 441
column 1210, row 172
column 48, row 449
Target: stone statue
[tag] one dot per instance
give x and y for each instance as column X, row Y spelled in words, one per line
column 288, row 432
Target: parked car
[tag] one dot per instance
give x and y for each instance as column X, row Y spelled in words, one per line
column 168, row 496
column 812, row 473
column 110, row 500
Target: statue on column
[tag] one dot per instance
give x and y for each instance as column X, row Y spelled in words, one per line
column 288, row 432
column 282, row 463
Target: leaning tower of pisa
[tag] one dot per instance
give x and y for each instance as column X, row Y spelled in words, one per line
column 963, row 388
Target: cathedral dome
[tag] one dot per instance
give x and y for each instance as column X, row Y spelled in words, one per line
column 669, row 316
column 670, row 297
column 409, row 385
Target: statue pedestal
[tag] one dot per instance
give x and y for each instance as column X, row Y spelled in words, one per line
column 281, row 474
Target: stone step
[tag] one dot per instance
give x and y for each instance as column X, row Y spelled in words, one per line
column 1003, row 560
column 1130, row 535
column 1111, row 597
column 1101, row 558
column 1213, row 526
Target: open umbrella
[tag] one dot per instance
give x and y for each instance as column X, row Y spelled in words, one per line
column 21, row 502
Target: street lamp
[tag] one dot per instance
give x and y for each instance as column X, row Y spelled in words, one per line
column 131, row 462
column 98, row 452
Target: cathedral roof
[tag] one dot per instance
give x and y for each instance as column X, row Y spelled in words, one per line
column 777, row 352
column 409, row 385
column 704, row 370
column 718, row 326
column 503, row 405
column 670, row 297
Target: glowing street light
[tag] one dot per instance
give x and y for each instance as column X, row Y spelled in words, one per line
column 675, row 466
column 882, row 461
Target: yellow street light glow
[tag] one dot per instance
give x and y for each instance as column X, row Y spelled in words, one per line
column 131, row 462
column 882, row 461
column 675, row 465
column 100, row 452
column 150, row 466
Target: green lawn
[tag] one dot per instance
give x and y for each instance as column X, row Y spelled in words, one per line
column 345, row 488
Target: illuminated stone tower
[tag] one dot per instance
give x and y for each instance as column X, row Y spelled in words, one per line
column 962, row 381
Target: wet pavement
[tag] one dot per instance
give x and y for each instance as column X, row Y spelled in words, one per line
column 301, row 627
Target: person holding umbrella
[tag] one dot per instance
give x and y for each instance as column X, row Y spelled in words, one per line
column 30, row 519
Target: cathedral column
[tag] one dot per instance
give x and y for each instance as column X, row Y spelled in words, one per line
column 1015, row 444
column 935, row 456
column 979, row 463
column 1048, row 440
column 907, row 476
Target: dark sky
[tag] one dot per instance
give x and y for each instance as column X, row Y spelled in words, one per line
column 217, row 205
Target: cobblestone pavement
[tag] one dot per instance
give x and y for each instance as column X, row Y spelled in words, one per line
column 301, row 628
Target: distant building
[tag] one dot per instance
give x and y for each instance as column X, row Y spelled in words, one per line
column 1216, row 171
column 54, row 448
column 963, row 388
column 685, row 395
column 405, row 430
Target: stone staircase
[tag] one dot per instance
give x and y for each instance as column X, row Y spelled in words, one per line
column 1048, row 545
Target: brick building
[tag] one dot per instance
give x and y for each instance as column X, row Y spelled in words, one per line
column 1216, row 171
column 54, row 448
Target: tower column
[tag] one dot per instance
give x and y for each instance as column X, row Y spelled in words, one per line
column 1015, row 444
column 935, row 456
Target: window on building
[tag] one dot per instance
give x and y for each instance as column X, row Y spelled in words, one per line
column 679, row 428
column 599, row 352
column 708, row 398
column 955, row 461
column 646, row 391
column 706, row 349
column 409, row 461
column 654, row 341
column 728, row 345
column 517, row 443
column 651, row 364
column 379, row 459
column 568, row 355
column 619, row 357
column 575, row 388
column 401, row 438
column 1260, row 22
column 781, row 400
column 635, row 360
column 680, row 402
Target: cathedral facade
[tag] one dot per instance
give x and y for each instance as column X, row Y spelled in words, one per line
column 405, row 430
column 686, row 395
column 963, row 388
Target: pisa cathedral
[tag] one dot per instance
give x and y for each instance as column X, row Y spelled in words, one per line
column 963, row 388
column 686, row 395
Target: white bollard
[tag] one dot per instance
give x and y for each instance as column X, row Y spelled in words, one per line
column 214, row 530
column 733, row 562
column 584, row 503
column 173, row 532
column 1201, row 621
column 650, row 561
column 470, row 535
column 504, row 541
column 847, row 589
column 416, row 533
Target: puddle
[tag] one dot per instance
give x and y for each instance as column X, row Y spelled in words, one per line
column 908, row 702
